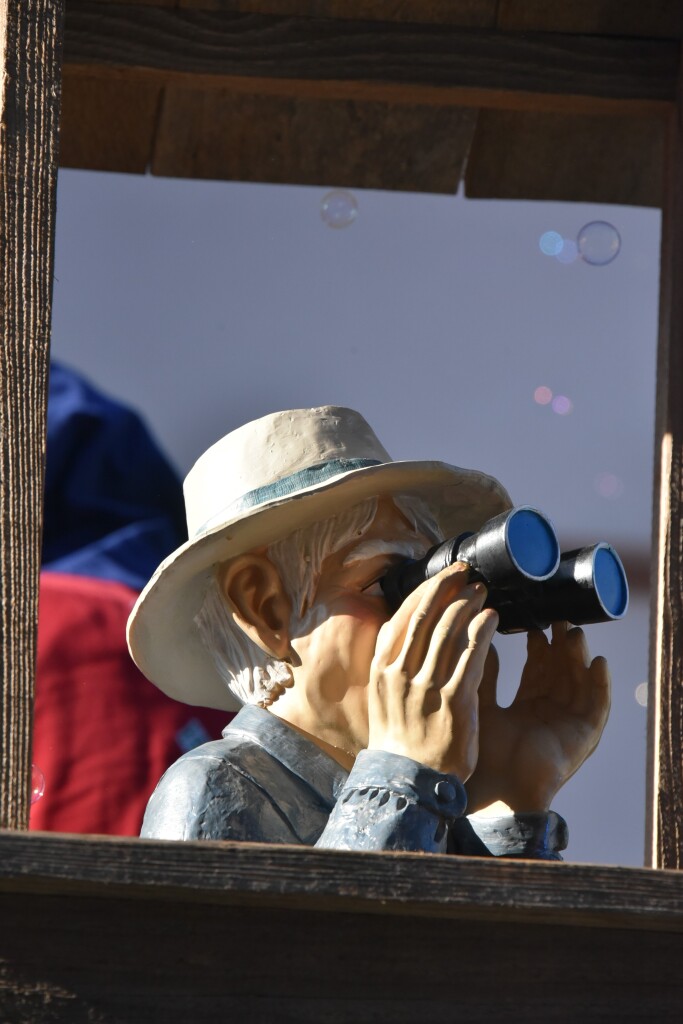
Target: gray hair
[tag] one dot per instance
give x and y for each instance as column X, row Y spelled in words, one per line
column 252, row 675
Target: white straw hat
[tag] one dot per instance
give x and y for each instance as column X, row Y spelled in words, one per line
column 255, row 486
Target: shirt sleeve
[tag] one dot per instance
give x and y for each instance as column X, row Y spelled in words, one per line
column 390, row 802
column 535, row 836
column 209, row 798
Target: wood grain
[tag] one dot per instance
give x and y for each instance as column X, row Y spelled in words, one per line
column 329, row 880
column 220, row 43
column 28, row 170
column 653, row 19
column 466, row 13
column 664, row 840
column 120, row 930
column 222, row 135
column 107, row 125
column 645, row 18
column 108, row 960
column 566, row 158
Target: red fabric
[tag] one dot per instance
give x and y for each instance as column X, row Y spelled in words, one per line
column 103, row 735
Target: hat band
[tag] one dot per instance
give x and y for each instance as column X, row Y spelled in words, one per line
column 288, row 485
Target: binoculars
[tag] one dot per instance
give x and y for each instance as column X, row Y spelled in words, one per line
column 530, row 583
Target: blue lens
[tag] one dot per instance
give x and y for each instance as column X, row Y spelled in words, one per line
column 610, row 582
column 532, row 543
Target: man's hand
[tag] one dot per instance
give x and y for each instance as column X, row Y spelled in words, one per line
column 429, row 658
column 530, row 749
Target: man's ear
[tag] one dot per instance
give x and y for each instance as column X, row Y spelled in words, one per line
column 255, row 594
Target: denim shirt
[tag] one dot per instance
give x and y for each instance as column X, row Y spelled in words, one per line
column 265, row 782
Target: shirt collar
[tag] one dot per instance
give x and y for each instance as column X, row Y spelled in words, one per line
column 301, row 756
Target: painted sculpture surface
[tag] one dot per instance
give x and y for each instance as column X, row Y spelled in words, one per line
column 361, row 729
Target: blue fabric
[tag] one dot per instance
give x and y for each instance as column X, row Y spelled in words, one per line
column 264, row 782
column 113, row 503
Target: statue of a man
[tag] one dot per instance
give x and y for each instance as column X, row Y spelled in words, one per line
column 361, row 729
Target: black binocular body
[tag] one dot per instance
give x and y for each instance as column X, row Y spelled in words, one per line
column 530, row 582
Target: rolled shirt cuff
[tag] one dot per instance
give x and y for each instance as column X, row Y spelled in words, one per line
column 438, row 792
column 533, row 835
column 391, row 802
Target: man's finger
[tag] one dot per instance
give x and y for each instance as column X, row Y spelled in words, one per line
column 534, row 681
column 578, row 645
column 439, row 594
column 415, row 615
column 558, row 630
column 469, row 671
column 488, row 688
column 600, row 692
column 451, row 636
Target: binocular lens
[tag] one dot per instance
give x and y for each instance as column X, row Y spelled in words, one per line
column 610, row 581
column 532, row 543
column 589, row 586
column 517, row 555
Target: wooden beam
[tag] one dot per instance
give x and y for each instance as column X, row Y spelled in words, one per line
column 30, row 43
column 664, row 838
column 398, row 884
column 566, row 158
column 108, row 125
column 425, row 61
column 104, row 960
column 222, row 135
column 466, row 13
column 644, row 18
column 653, row 19
column 232, row 94
column 130, row 930
column 178, row 130
column 376, row 92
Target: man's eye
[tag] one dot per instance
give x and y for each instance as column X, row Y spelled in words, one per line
column 374, row 589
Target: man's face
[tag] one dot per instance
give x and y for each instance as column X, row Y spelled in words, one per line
column 341, row 629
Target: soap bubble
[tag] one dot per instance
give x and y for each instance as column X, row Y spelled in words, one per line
column 569, row 252
column 37, row 783
column 641, row 694
column 339, row 209
column 562, row 405
column 598, row 243
column 543, row 395
column 550, row 243
column 609, row 485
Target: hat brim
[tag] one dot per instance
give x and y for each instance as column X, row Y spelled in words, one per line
column 162, row 635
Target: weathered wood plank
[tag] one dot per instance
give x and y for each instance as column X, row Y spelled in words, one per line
column 317, row 50
column 112, row 961
column 218, row 134
column 654, row 19
column 466, row 13
column 566, row 158
column 329, row 880
column 107, row 125
column 112, row 930
column 31, row 53
column 649, row 19
column 664, row 842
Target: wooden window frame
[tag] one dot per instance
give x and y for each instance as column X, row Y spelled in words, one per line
column 590, row 75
